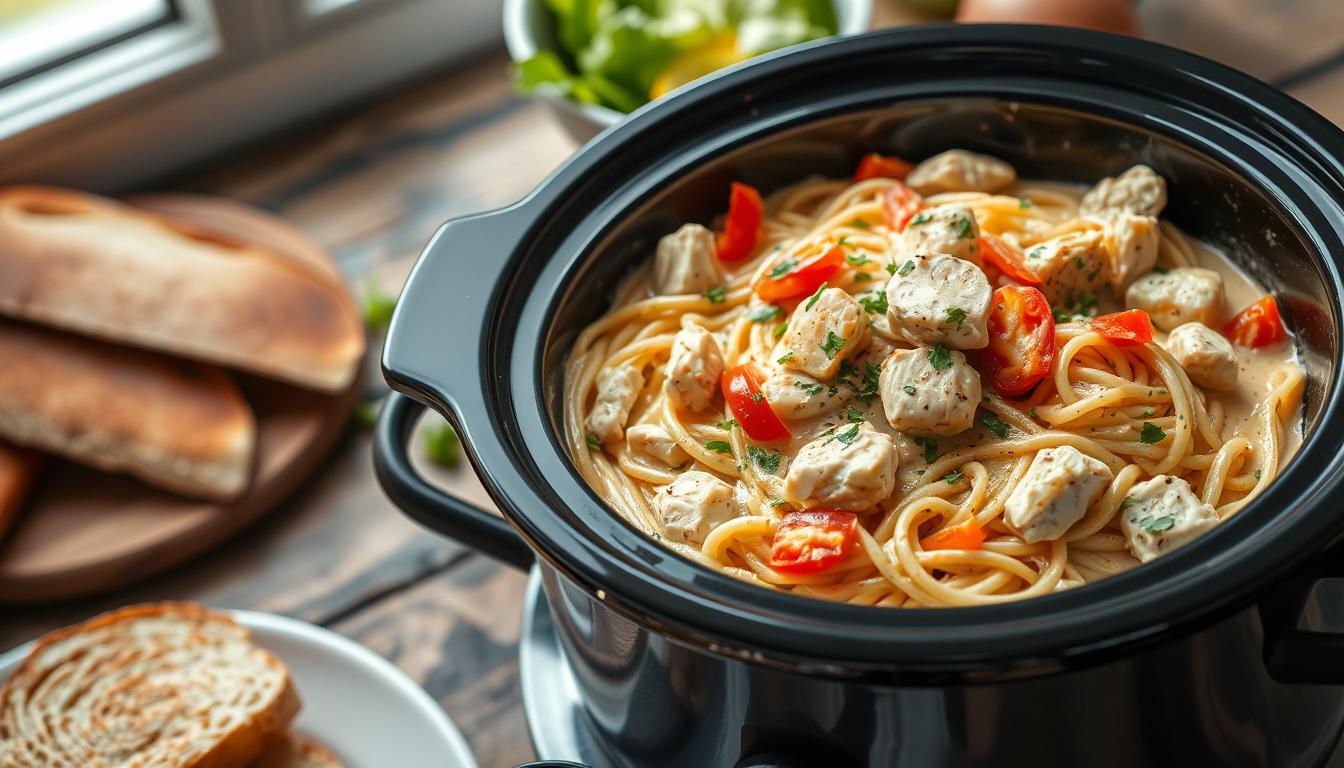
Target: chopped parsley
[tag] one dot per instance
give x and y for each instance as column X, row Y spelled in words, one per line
column 930, row 447
column 876, row 305
column 842, row 241
column 779, row 330
column 812, row 301
column 1153, row 524
column 862, row 277
column 1126, row 503
column 906, row 268
column 909, row 390
column 783, row 268
column 593, row 442
column 1032, row 412
column 784, row 358
column 832, row 345
column 1036, row 253
column 1147, row 411
column 1151, row 433
column 920, row 218
column 848, row 436
column 994, row 424
column 1078, row 262
column 940, row 358
column 758, row 397
column 717, row 295
column 1023, row 202
column 726, row 425
column 866, row 387
column 858, row 259
column 965, row 228
column 854, row 414
column 1258, row 475
column 1077, row 306
column 766, row 461
column 764, row 314
column 956, row 315
column 953, row 477
column 810, row 389
column 859, row 224
column 720, row 446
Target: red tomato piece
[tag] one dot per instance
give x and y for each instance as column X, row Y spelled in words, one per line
column 875, row 166
column 965, row 535
column 899, row 205
column 1007, row 258
column 1258, row 325
column 1021, row 340
column 1125, row 329
column 742, row 227
column 804, row 278
column 813, row 540
column 742, row 391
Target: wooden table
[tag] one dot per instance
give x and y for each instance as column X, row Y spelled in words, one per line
column 372, row 185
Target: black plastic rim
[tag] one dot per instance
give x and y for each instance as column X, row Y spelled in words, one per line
column 1280, row 145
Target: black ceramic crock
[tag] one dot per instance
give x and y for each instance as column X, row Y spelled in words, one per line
column 1212, row 655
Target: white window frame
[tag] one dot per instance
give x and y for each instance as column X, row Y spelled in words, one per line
column 223, row 72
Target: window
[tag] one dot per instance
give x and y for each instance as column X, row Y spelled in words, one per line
column 104, row 94
column 39, row 34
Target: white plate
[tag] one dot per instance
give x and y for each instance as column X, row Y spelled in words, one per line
column 355, row 702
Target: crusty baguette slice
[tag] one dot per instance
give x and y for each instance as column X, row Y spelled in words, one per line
column 178, row 425
column 290, row 750
column 155, row 686
column 101, row 268
column 18, row 469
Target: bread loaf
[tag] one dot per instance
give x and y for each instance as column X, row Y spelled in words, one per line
column 18, row 468
column 100, row 268
column 151, row 686
column 291, row 750
column 178, row 425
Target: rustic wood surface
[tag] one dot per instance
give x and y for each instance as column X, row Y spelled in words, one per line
column 372, row 185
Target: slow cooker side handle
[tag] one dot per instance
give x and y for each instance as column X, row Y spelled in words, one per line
column 429, row 506
column 1293, row 654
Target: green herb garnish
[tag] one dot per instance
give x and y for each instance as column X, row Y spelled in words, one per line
column 1127, row 502
column 717, row 295
column 783, row 268
column 965, row 228
column 720, row 446
column 930, row 447
column 767, row 461
column 726, row 425
column 593, row 442
column 784, row 358
column 779, row 330
column 853, row 414
column 956, row 315
column 1023, row 202
column 940, row 358
column 813, row 301
column 920, row 218
column 994, row 424
column 848, row 436
column 859, row 224
column 876, row 305
column 953, row 477
column 857, row 260
column 764, row 314
column 1151, row 433
column 832, row 346
column 906, row 268
column 1157, row 524
column 909, row 390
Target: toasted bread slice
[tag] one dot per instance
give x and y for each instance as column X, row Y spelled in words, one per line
column 178, row 425
column 290, row 750
column 156, row 686
column 18, row 470
column 92, row 265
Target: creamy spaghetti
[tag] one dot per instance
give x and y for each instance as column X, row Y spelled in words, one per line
column 1031, row 496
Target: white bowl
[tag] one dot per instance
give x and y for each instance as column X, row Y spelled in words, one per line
column 529, row 27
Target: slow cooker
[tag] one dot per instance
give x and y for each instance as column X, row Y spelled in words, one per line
column 1217, row 654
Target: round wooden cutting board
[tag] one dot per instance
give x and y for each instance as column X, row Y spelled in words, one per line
column 83, row 531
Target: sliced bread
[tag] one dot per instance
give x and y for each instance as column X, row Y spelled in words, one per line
column 290, row 750
column 178, row 425
column 98, row 267
column 153, row 686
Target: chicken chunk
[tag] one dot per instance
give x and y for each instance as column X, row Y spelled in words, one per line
column 1162, row 514
column 921, row 399
column 1131, row 246
column 687, row 262
column 940, row 299
column 1138, row 190
column 1206, row 355
column 1059, row 486
column 949, row 229
column 957, row 170
column 693, row 369
column 1179, row 296
column 852, row 468
column 617, row 390
column 799, row 396
column 654, row 441
column 1072, row 267
column 824, row 331
column 693, row 505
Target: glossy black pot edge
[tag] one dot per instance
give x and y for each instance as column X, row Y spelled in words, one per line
column 425, row 388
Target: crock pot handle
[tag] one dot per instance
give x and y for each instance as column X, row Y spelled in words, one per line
column 429, row 506
column 1293, row 654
